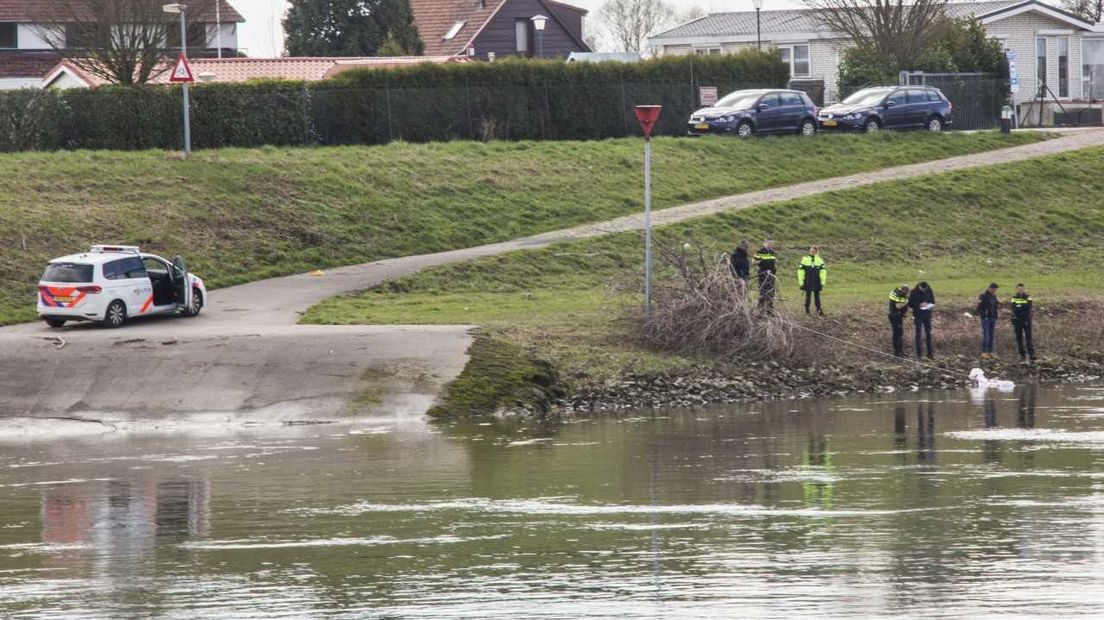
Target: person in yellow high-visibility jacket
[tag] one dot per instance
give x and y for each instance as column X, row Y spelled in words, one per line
column 812, row 276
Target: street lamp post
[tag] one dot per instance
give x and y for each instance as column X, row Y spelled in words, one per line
column 758, row 30
column 182, row 10
column 648, row 115
column 539, row 22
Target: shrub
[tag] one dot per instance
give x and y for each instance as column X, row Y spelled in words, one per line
column 510, row 99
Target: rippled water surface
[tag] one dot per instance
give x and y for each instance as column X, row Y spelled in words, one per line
column 952, row 504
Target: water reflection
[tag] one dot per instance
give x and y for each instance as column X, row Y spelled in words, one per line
column 989, row 501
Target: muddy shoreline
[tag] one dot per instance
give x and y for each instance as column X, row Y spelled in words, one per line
column 703, row 385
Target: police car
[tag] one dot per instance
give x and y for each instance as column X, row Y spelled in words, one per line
column 113, row 283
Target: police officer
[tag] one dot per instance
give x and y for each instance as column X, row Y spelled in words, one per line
column 767, row 261
column 1022, row 315
column 898, row 308
column 922, row 301
column 812, row 275
column 740, row 262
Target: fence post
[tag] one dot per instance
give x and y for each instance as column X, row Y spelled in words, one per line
column 387, row 94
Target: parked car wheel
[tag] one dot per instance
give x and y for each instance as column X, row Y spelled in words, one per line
column 935, row 124
column 744, row 129
column 116, row 315
column 871, row 125
column 808, row 127
column 55, row 323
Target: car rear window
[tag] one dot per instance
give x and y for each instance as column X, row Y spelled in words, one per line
column 72, row 273
column 934, row 97
column 791, row 99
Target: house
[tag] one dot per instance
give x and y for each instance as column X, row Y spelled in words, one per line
column 65, row 74
column 26, row 56
column 488, row 29
column 1048, row 45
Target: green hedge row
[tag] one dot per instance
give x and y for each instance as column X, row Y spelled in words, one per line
column 510, row 99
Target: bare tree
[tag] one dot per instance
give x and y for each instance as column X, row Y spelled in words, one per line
column 1089, row 10
column 630, row 22
column 899, row 29
column 120, row 41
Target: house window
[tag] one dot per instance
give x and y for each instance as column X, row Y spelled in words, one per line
column 197, row 36
column 707, row 51
column 797, row 57
column 1092, row 69
column 521, row 32
column 1063, row 67
column 1041, row 65
column 455, row 30
column 9, row 36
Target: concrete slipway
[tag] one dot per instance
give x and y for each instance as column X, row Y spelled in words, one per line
column 246, row 360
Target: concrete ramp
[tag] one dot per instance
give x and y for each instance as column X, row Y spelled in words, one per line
column 268, row 373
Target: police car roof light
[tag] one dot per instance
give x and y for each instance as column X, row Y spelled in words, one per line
column 124, row 249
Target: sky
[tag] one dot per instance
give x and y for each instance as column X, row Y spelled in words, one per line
column 262, row 35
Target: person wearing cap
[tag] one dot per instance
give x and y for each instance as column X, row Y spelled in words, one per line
column 922, row 301
column 812, row 275
column 898, row 308
column 1022, row 315
column 768, row 267
column 988, row 309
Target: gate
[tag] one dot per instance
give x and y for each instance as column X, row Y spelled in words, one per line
column 977, row 97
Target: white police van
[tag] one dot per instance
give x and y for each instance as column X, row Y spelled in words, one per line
column 113, row 283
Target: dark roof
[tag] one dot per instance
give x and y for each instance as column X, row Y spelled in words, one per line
column 799, row 20
column 32, row 10
column 435, row 18
column 27, row 65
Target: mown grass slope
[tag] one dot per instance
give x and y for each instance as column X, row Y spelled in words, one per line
column 241, row 215
column 1038, row 221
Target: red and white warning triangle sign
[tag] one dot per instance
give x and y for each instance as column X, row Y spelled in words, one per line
column 182, row 71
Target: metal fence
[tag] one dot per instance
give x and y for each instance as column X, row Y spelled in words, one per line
column 977, row 97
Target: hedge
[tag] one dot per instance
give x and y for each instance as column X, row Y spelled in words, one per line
column 509, row 99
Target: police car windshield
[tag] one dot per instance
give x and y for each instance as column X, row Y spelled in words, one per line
column 869, row 96
column 72, row 273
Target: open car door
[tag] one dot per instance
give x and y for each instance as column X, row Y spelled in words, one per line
column 182, row 287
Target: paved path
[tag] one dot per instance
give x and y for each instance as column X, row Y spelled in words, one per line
column 246, row 352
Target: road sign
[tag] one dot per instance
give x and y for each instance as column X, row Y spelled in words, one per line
column 1013, row 71
column 182, row 71
column 707, row 95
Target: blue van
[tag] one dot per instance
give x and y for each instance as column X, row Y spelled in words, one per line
column 889, row 107
column 763, row 111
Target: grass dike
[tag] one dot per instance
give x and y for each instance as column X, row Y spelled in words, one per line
column 241, row 215
column 1039, row 221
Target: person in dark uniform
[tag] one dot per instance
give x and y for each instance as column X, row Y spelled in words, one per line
column 768, row 270
column 1022, row 316
column 898, row 308
column 922, row 301
column 812, row 275
column 988, row 309
column 740, row 261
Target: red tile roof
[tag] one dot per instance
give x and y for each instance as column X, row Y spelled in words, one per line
column 246, row 69
column 31, row 10
column 435, row 18
column 27, row 65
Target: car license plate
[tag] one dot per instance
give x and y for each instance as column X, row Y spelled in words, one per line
column 829, row 123
column 63, row 299
column 701, row 126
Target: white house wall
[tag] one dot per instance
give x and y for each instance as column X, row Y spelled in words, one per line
column 229, row 36
column 17, row 83
column 1019, row 32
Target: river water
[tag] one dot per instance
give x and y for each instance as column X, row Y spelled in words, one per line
column 937, row 504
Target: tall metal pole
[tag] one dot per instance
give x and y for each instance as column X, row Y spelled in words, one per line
column 758, row 32
column 648, row 225
column 218, row 27
column 540, row 44
column 187, row 114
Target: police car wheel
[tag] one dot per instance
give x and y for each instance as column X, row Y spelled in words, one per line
column 55, row 323
column 116, row 315
column 197, row 303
